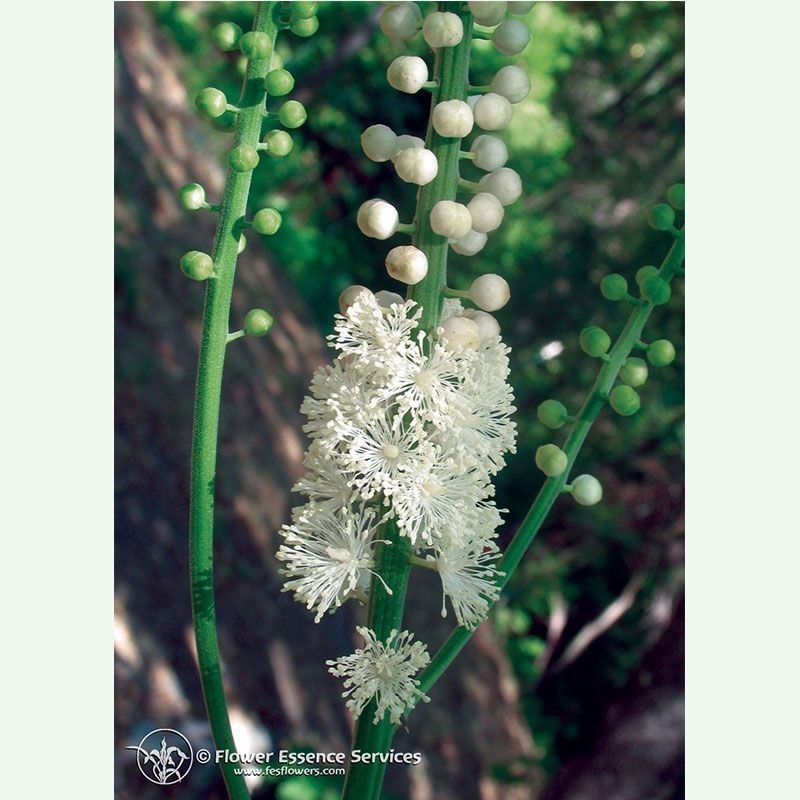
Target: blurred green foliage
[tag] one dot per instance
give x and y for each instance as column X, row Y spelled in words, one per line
column 597, row 143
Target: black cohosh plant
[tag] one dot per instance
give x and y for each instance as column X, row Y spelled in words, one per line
column 413, row 418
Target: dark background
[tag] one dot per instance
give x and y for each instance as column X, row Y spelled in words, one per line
column 574, row 689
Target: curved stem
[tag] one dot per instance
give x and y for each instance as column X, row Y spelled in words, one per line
column 207, row 404
column 627, row 340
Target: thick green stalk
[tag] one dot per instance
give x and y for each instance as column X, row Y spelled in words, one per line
column 451, row 69
column 552, row 487
column 207, row 404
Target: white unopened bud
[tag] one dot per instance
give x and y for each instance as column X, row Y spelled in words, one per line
column 486, row 212
column 442, row 29
column 504, row 184
column 488, row 326
column 350, row 295
column 489, row 292
column 521, row 6
column 488, row 13
column 378, row 142
column 377, row 219
column 471, row 100
column 416, row 165
column 387, row 299
column 587, row 490
column 489, row 151
column 407, row 264
column 511, row 37
column 512, row 83
column 451, row 219
column 400, row 20
column 493, row 112
column 460, row 334
column 452, row 118
column 407, row 74
column 404, row 141
column 470, row 244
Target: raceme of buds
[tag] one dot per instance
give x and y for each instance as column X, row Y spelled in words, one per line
column 442, row 29
column 504, row 184
column 453, row 118
column 489, row 292
column 490, row 152
column 407, row 264
column 407, row 74
column 512, row 83
column 379, row 143
column 416, row 165
column 400, row 20
column 511, row 37
column 486, row 212
column 470, row 244
column 488, row 13
column 377, row 219
column 493, row 112
column 451, row 219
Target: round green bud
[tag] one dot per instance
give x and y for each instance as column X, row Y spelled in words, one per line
column 255, row 45
column 661, row 217
column 660, row 353
column 634, row 372
column 191, row 196
column 613, row 287
column 267, row 221
column 212, row 102
column 656, row 290
column 305, row 27
column 197, row 266
column 226, row 36
column 243, row 158
column 587, row 490
column 624, row 400
column 644, row 273
column 279, row 143
column 594, row 341
column 676, row 195
column 303, row 10
column 551, row 460
column 279, row 82
column 242, row 244
column 257, row 322
column 292, row 114
column 552, row 414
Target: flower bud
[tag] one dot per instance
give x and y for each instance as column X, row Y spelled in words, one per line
column 197, row 266
column 470, row 244
column 257, row 322
column 350, row 295
column 660, row 353
column 614, row 287
column 676, row 194
column 489, row 292
column 453, row 119
column 594, row 341
column 279, row 143
column 460, row 334
column 624, row 400
column 267, row 221
column 303, row 10
column 451, row 219
column 292, row 114
column 304, row 27
column 644, row 273
column 191, row 196
column 400, row 20
column 377, row 219
column 442, row 29
column 551, row 460
column 388, row 299
column 488, row 326
column 488, row 13
column 243, row 158
column 416, row 165
column 661, row 217
column 587, row 490
column 407, row 74
column 504, row 184
column 512, row 83
column 633, row 372
column 379, row 142
column 490, row 152
column 511, row 37
column 279, row 82
column 486, row 211
column 407, row 264
column 212, row 102
column 521, row 6
column 655, row 289
column 493, row 112
column 255, row 44
column 404, row 142
column 226, row 36
column 552, row 414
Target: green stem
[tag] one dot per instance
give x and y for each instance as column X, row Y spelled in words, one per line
column 214, row 337
column 552, row 487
